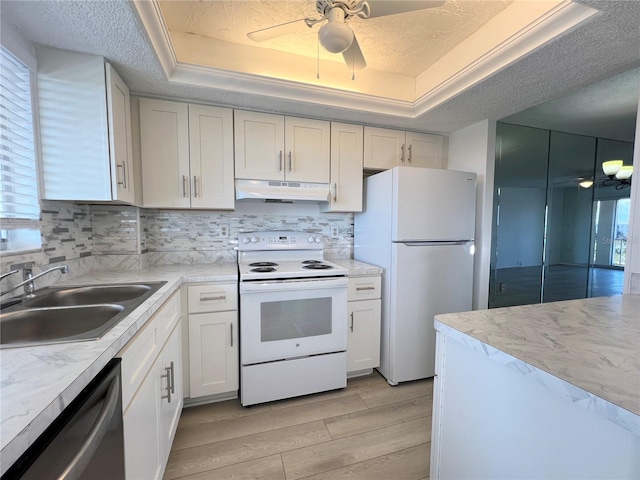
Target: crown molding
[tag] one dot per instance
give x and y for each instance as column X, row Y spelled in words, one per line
column 563, row 18
column 558, row 21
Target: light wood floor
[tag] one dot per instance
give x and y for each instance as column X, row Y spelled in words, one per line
column 368, row 430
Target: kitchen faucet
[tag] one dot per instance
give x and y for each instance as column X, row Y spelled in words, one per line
column 29, row 277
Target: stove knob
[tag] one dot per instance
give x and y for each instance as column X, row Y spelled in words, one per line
column 318, row 239
column 254, row 239
column 245, row 240
column 310, row 239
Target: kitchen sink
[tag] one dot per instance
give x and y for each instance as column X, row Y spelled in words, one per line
column 70, row 314
column 56, row 325
column 89, row 295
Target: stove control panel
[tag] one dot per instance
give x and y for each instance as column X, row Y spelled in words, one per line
column 280, row 241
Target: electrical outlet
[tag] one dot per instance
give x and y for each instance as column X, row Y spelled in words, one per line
column 335, row 233
column 224, row 230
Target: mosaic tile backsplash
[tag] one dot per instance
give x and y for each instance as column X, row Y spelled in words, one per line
column 124, row 237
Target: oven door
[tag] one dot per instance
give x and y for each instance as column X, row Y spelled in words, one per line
column 284, row 319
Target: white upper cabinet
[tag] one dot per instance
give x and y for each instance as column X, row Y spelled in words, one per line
column 385, row 148
column 187, row 155
column 211, row 157
column 346, row 168
column 273, row 147
column 85, row 129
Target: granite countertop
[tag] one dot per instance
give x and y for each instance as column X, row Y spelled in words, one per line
column 39, row 382
column 357, row 268
column 592, row 345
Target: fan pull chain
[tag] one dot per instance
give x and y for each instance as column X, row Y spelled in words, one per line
column 318, row 58
column 353, row 66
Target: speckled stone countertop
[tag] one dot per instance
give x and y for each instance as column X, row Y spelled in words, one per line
column 591, row 346
column 357, row 268
column 39, row 382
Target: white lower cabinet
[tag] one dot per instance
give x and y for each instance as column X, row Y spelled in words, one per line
column 213, row 340
column 364, row 317
column 152, row 392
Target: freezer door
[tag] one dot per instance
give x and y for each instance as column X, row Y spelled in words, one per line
column 433, row 204
column 427, row 280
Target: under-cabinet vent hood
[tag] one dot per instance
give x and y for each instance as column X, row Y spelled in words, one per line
column 285, row 191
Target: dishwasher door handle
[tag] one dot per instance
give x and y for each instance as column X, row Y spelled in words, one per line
column 95, row 436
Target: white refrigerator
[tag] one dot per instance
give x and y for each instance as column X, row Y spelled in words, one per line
column 417, row 224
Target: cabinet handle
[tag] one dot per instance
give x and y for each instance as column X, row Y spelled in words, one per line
column 364, row 288
column 280, row 160
column 409, row 159
column 184, row 186
column 173, row 379
column 195, row 186
column 290, row 162
column 351, row 322
column 231, row 331
column 402, row 153
column 124, row 174
column 210, row 299
column 167, row 375
column 335, row 192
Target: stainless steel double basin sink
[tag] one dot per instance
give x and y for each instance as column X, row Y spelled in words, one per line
column 70, row 314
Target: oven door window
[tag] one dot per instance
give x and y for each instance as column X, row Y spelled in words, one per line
column 287, row 319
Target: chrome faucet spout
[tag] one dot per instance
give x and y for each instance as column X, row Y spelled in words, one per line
column 29, row 277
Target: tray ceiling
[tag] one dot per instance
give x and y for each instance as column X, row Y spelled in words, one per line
column 415, row 60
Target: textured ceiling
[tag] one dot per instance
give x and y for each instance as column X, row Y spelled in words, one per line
column 406, row 43
column 605, row 46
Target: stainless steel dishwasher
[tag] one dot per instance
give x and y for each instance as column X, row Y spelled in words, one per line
column 85, row 441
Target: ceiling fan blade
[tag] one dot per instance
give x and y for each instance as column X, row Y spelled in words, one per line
column 268, row 33
column 353, row 56
column 380, row 8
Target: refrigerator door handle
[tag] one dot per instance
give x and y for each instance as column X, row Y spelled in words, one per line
column 435, row 243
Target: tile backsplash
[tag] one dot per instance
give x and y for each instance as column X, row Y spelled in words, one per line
column 126, row 237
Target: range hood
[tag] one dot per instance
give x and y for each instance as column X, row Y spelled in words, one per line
column 284, row 191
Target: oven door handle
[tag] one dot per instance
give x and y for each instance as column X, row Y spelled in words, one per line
column 289, row 285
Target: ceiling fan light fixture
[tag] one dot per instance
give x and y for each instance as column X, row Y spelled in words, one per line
column 336, row 36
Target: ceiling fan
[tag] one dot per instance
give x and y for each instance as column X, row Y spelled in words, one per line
column 335, row 35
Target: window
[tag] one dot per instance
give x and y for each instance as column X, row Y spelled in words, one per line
column 19, row 207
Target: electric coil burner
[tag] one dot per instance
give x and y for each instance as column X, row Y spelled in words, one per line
column 293, row 317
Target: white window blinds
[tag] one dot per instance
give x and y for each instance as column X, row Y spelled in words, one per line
column 19, row 207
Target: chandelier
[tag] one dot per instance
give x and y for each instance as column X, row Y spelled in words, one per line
column 618, row 173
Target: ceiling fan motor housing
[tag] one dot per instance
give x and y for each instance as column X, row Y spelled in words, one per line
column 324, row 6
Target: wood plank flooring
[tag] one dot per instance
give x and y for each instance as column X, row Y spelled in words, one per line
column 368, row 430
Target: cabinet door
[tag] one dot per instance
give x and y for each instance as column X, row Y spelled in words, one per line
column 211, row 157
column 383, row 148
column 171, row 398
column 143, row 438
column 213, row 353
column 346, row 168
column 363, row 341
column 164, row 148
column 307, row 148
column 119, row 115
column 74, row 136
column 259, row 145
column 423, row 150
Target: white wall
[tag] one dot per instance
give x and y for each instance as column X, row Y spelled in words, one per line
column 473, row 149
column 632, row 267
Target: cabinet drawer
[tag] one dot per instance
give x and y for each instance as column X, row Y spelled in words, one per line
column 141, row 351
column 364, row 288
column 212, row 297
